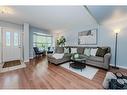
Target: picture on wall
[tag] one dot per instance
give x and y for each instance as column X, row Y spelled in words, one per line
column 87, row 37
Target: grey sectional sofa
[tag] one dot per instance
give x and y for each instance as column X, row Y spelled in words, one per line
column 101, row 62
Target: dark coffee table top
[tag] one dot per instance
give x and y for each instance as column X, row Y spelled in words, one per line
column 78, row 63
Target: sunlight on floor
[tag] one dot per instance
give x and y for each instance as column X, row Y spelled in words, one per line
column 11, row 82
column 41, row 69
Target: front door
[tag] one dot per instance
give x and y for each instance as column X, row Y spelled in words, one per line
column 11, row 44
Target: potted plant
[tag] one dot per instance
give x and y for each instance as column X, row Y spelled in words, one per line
column 61, row 41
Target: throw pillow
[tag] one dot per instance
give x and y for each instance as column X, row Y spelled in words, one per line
column 87, row 51
column 93, row 51
column 73, row 50
column 101, row 52
column 74, row 56
column 66, row 50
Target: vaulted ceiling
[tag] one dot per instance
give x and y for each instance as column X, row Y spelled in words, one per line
column 64, row 17
column 50, row 17
column 108, row 14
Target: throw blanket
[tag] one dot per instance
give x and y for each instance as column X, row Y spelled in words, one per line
column 58, row 56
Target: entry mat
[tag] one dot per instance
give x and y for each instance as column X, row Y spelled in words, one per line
column 11, row 63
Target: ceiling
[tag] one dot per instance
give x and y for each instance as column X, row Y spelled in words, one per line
column 52, row 18
column 63, row 18
column 108, row 14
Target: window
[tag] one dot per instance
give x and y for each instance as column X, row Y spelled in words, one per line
column 42, row 41
column 8, row 38
column 16, row 39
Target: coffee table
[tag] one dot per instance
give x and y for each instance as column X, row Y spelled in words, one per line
column 78, row 63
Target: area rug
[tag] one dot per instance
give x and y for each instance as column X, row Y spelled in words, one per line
column 12, row 66
column 88, row 72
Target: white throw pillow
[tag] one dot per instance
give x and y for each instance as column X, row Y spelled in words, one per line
column 73, row 50
column 93, row 51
column 87, row 51
column 66, row 50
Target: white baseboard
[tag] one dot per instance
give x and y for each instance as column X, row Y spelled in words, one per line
column 31, row 57
column 119, row 66
column 26, row 60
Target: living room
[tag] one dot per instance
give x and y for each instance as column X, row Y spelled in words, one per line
column 46, row 41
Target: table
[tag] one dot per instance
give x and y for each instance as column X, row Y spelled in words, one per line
column 78, row 63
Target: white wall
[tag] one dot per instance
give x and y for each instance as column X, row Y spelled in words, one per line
column 26, row 42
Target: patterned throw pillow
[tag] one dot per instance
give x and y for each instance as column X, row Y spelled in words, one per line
column 101, row 52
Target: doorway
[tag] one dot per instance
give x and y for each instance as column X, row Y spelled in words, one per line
column 11, row 49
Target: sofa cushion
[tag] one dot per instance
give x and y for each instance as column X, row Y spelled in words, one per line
column 101, row 52
column 59, row 50
column 67, row 55
column 80, row 50
column 82, row 56
column 96, row 58
column 58, row 55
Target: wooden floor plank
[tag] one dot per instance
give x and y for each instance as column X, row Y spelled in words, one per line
column 40, row 75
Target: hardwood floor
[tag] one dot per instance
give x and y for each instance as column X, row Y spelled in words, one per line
column 40, row 75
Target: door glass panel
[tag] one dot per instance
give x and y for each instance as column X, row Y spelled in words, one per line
column 15, row 39
column 8, row 38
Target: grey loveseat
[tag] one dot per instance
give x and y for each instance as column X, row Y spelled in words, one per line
column 101, row 62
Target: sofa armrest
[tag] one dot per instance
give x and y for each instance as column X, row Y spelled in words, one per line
column 107, row 58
